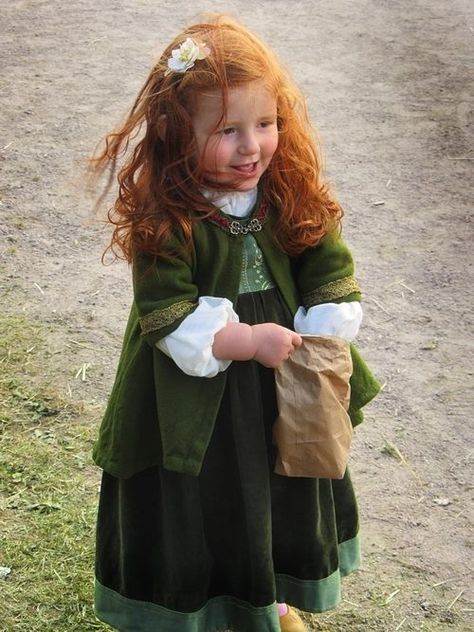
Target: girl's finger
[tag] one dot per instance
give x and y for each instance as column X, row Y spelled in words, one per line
column 297, row 340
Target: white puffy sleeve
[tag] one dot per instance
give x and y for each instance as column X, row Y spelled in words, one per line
column 190, row 345
column 330, row 319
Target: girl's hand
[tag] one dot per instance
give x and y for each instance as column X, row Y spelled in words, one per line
column 273, row 344
column 269, row 344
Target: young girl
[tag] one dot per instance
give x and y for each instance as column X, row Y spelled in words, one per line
column 234, row 241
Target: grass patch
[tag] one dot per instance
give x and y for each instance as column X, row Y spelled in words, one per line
column 48, row 498
column 48, row 493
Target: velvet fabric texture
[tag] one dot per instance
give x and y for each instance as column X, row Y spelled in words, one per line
column 158, row 414
column 183, row 553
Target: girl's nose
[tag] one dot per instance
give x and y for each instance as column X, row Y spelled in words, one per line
column 249, row 144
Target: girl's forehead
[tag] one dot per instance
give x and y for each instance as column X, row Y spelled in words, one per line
column 253, row 96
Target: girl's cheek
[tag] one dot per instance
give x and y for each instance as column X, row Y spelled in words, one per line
column 222, row 151
column 275, row 142
column 215, row 148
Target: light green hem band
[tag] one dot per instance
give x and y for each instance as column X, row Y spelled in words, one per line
column 321, row 594
column 349, row 556
column 222, row 613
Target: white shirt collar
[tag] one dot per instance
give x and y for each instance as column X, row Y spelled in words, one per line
column 236, row 203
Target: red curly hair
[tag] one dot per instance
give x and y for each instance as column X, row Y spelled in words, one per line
column 155, row 152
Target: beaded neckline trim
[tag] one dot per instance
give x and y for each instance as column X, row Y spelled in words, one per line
column 241, row 227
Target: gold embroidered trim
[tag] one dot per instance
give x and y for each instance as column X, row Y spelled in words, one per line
column 330, row 291
column 162, row 317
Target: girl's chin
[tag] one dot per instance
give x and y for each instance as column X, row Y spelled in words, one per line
column 233, row 184
column 246, row 186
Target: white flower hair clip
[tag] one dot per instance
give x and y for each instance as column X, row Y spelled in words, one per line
column 184, row 57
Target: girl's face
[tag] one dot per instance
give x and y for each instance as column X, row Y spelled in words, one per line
column 236, row 150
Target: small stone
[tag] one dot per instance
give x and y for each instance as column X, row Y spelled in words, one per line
column 442, row 502
column 5, row 571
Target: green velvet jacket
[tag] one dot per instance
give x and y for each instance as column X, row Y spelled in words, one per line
column 158, row 414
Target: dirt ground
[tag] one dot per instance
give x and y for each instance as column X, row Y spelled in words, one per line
column 389, row 85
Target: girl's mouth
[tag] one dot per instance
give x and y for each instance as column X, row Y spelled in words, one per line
column 248, row 169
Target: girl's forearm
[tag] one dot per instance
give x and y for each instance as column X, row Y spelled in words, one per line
column 234, row 342
column 268, row 343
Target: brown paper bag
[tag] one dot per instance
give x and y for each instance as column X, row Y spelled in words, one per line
column 313, row 431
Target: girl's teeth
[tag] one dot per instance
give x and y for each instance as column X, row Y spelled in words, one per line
column 245, row 167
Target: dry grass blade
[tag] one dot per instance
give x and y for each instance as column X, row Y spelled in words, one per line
column 394, row 452
column 391, row 450
column 391, row 596
column 379, row 305
column 446, row 581
column 82, row 371
column 461, row 592
column 407, row 288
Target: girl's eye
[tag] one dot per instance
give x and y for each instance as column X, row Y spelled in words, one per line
column 228, row 130
column 266, row 123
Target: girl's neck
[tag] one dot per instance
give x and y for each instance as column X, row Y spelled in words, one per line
column 236, row 203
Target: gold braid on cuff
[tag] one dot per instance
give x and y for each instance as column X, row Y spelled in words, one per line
column 331, row 291
column 162, row 317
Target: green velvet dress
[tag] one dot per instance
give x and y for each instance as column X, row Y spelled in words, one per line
column 216, row 551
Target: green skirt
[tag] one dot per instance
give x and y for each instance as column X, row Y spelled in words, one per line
column 177, row 553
